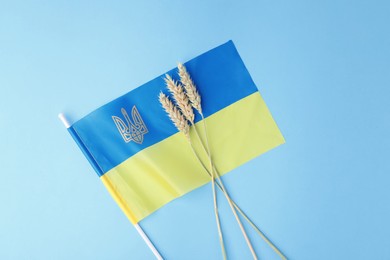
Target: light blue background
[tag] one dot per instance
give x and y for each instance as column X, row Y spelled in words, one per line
column 323, row 69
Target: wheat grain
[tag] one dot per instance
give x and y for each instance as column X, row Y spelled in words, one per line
column 180, row 97
column 190, row 88
column 174, row 114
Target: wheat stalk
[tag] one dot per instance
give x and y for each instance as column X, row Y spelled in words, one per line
column 180, row 97
column 185, row 107
column 179, row 118
column 195, row 100
column 190, row 88
column 185, row 101
column 175, row 115
column 219, row 184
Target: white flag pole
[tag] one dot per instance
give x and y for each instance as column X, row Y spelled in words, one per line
column 140, row 231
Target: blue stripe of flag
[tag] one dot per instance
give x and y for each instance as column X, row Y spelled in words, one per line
column 221, row 78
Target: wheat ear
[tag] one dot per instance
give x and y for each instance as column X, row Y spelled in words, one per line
column 180, row 97
column 190, row 88
column 175, row 115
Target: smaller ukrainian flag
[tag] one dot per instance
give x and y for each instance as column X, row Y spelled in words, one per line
column 143, row 160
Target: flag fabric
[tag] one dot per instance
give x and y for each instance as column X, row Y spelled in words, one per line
column 143, row 160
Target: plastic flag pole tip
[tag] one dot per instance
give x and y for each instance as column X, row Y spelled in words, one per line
column 63, row 119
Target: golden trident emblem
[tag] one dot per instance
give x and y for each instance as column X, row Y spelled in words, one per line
column 132, row 130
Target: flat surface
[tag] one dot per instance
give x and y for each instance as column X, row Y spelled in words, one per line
column 322, row 68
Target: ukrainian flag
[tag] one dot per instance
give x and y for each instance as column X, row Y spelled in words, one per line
column 143, row 160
